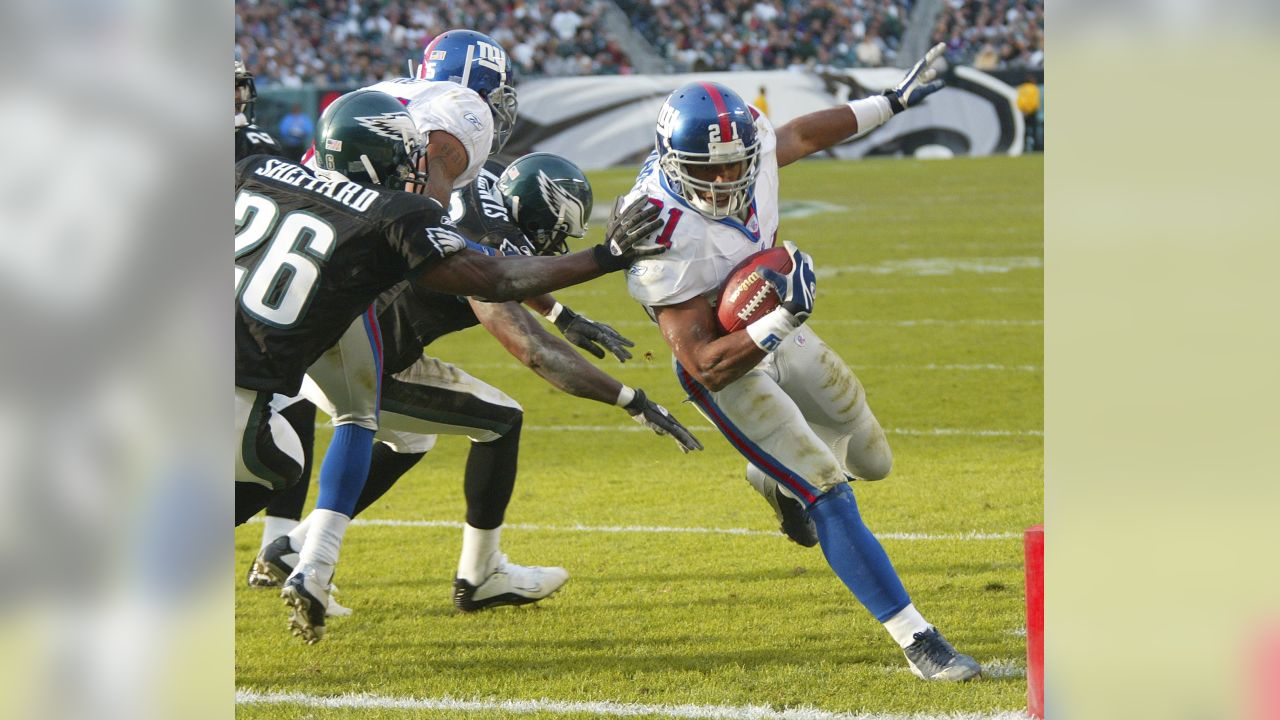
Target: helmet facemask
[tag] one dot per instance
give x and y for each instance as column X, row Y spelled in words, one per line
column 715, row 199
column 246, row 95
column 502, row 103
column 405, row 175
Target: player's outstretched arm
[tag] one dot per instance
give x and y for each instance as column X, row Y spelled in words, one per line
column 558, row 363
column 627, row 238
column 551, row 358
column 820, row 130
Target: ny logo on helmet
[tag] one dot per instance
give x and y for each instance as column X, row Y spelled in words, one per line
column 492, row 57
column 667, row 119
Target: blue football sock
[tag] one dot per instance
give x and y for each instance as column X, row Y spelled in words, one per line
column 856, row 555
column 345, row 468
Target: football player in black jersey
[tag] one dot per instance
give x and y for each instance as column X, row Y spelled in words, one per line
column 313, row 250
column 529, row 208
column 250, row 139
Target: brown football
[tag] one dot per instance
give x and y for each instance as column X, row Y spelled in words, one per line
column 745, row 297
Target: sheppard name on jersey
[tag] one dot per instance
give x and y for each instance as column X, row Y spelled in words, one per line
column 356, row 197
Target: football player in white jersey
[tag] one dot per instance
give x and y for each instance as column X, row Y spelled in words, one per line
column 783, row 398
column 455, row 110
column 462, row 103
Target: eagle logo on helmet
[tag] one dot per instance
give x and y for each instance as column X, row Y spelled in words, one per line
column 396, row 126
column 568, row 209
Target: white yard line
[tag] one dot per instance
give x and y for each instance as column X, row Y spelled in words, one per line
column 602, row 708
column 664, row 367
column 921, row 267
column 928, row 432
column 922, row 322
column 667, row 530
column 998, row 668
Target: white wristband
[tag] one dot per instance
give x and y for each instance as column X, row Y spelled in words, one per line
column 554, row 312
column 625, row 396
column 769, row 331
column 871, row 112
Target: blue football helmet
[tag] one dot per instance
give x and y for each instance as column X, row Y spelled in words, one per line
column 704, row 130
column 477, row 61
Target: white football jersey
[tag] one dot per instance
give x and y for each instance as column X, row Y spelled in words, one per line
column 446, row 106
column 703, row 250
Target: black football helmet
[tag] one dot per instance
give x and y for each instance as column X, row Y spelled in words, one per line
column 369, row 137
column 549, row 199
column 246, row 94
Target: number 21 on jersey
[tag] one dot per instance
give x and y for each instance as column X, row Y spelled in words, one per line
column 673, row 219
column 278, row 289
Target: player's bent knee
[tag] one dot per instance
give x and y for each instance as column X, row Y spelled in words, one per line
column 877, row 469
column 872, row 460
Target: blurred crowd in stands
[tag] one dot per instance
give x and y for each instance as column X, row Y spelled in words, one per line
column 771, row 34
column 292, row 43
column 348, row 42
column 992, row 34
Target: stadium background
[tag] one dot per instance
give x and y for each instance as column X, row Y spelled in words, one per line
column 306, row 53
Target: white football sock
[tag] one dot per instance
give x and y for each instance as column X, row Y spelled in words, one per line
column 324, row 538
column 273, row 527
column 905, row 624
column 477, row 546
column 298, row 534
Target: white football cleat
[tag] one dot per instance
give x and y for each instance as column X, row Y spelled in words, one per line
column 307, row 595
column 508, row 584
column 931, row 657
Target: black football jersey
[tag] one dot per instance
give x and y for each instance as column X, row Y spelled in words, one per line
column 480, row 214
column 412, row 318
column 253, row 140
column 311, row 255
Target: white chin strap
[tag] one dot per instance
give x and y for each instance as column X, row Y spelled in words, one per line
column 368, row 167
column 241, row 120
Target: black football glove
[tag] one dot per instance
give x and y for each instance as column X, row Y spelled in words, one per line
column 655, row 417
column 625, row 236
column 798, row 288
column 918, row 82
column 590, row 335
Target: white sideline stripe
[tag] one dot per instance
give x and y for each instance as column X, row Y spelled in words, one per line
column 966, row 433
column 999, row 668
column 707, row 428
column 861, row 289
column 363, row 701
column 887, row 323
column 935, row 266
column 660, row 529
column 667, row 368
column 931, row 432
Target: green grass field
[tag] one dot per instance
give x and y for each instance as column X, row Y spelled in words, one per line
column 931, row 287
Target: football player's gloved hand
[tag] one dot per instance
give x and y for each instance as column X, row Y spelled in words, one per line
column 626, row 234
column 918, row 82
column 590, row 335
column 655, row 417
column 798, row 288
